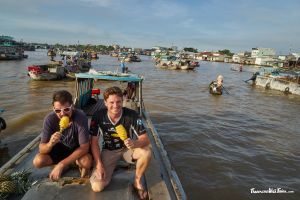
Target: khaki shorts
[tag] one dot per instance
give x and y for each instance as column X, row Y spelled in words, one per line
column 110, row 159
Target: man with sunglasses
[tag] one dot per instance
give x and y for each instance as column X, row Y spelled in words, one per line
column 66, row 147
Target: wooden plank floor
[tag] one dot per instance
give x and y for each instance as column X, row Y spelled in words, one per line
column 71, row 186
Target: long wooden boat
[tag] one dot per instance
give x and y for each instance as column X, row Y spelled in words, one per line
column 46, row 72
column 288, row 86
column 160, row 179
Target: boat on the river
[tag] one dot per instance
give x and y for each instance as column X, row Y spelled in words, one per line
column 11, row 49
column 215, row 89
column 238, row 69
column 174, row 63
column 160, row 178
column 51, row 52
column 46, row 72
column 80, row 65
column 277, row 79
column 2, row 121
column 132, row 58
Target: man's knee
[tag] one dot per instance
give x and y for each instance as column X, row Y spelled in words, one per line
column 145, row 153
column 98, row 186
column 39, row 161
column 85, row 161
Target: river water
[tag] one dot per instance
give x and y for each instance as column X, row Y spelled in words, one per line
column 220, row 146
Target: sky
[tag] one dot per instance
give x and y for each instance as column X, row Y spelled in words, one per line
column 210, row 25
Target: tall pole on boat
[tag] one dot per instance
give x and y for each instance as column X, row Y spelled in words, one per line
column 140, row 97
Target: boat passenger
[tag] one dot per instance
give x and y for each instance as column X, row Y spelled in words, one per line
column 64, row 147
column 216, row 87
column 134, row 149
column 253, row 77
column 122, row 65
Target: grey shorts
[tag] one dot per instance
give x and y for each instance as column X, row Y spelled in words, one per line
column 110, row 159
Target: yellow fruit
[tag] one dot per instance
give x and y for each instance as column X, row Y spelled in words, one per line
column 8, row 187
column 121, row 131
column 115, row 135
column 64, row 123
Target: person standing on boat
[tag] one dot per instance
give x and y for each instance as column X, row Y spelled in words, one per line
column 68, row 146
column 253, row 77
column 65, row 61
column 122, row 65
column 134, row 149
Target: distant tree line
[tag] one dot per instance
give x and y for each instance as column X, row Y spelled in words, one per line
column 190, row 49
column 88, row 47
column 226, row 52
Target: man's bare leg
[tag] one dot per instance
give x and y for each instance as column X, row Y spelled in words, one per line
column 42, row 160
column 143, row 157
column 84, row 163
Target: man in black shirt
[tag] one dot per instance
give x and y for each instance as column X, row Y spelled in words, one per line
column 107, row 122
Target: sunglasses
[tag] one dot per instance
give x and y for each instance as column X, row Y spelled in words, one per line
column 65, row 110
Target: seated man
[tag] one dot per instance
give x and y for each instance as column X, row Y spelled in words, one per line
column 108, row 122
column 64, row 147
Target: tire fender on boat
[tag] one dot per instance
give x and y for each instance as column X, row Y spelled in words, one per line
column 267, row 86
column 2, row 124
column 287, row 90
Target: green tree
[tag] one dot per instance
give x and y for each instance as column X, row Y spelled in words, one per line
column 190, row 49
column 226, row 52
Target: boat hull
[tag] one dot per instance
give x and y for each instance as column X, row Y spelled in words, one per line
column 46, row 72
column 278, row 84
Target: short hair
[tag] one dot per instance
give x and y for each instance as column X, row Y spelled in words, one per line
column 62, row 96
column 112, row 91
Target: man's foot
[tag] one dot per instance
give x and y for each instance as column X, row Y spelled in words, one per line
column 141, row 192
column 84, row 172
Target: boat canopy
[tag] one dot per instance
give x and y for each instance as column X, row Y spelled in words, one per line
column 110, row 76
column 70, row 53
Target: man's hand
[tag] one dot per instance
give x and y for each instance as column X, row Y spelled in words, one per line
column 54, row 139
column 100, row 172
column 129, row 143
column 56, row 172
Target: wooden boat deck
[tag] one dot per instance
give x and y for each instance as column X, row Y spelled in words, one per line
column 160, row 178
column 71, row 186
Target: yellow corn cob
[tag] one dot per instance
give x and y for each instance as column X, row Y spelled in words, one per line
column 121, row 131
column 64, row 123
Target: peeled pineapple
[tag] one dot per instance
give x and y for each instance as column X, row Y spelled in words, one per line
column 121, row 131
column 64, row 123
column 8, row 187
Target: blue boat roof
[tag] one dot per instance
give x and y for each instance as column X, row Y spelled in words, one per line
column 127, row 78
